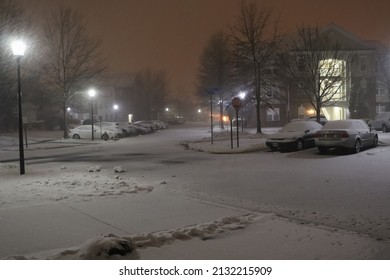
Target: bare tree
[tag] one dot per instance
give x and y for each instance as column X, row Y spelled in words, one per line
column 215, row 70
column 256, row 38
column 72, row 59
column 151, row 89
column 317, row 63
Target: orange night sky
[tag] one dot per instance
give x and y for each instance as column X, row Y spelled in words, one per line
column 170, row 34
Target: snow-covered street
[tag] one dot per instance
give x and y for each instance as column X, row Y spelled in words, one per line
column 159, row 197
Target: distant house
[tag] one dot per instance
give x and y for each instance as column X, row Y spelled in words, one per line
column 364, row 93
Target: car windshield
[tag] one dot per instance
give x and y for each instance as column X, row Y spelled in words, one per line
column 295, row 126
column 339, row 125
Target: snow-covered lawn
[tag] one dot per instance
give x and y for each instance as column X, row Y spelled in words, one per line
column 61, row 183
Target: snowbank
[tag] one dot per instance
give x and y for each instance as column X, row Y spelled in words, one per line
column 111, row 246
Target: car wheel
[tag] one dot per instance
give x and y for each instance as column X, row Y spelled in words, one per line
column 76, row 136
column 299, row 145
column 384, row 128
column 322, row 150
column 375, row 144
column 357, row 147
column 105, row 136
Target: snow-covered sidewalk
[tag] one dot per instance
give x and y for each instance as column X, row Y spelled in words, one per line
column 93, row 213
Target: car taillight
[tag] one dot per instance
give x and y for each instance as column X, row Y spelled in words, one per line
column 317, row 135
column 344, row 134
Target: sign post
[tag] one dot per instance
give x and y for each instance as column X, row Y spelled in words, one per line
column 230, row 111
column 236, row 103
column 211, row 91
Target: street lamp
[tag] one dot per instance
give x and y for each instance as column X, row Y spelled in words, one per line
column 115, row 107
column 242, row 95
column 92, row 93
column 18, row 48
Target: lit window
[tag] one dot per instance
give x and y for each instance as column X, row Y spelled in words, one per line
column 273, row 114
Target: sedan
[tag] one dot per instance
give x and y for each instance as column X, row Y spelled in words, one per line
column 347, row 134
column 294, row 136
column 85, row 132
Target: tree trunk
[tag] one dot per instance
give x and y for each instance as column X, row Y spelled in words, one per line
column 318, row 111
column 258, row 99
column 64, row 122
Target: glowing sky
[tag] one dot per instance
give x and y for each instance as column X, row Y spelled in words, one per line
column 170, row 34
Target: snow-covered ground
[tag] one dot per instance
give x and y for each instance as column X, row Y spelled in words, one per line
column 110, row 212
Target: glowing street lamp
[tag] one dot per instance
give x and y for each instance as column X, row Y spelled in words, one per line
column 18, row 48
column 92, row 94
column 115, row 107
column 242, row 95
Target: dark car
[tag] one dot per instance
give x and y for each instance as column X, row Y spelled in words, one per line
column 294, row 136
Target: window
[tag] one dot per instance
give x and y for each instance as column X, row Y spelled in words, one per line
column 273, row 115
column 273, row 91
column 380, row 109
column 363, row 63
column 379, row 66
column 363, row 83
column 301, row 64
column 381, row 89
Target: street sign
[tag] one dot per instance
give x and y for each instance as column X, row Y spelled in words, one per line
column 236, row 103
column 230, row 112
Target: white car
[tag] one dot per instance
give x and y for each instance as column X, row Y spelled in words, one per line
column 85, row 132
column 381, row 122
column 113, row 126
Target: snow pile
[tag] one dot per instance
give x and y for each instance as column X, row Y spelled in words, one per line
column 119, row 169
column 106, row 247
column 62, row 184
column 249, row 141
column 129, row 247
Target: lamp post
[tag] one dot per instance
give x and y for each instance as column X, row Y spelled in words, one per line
column 115, row 107
column 92, row 93
column 18, row 48
column 242, row 95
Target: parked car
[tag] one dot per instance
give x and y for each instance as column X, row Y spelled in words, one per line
column 113, row 126
column 146, row 124
column 158, row 124
column 381, row 122
column 85, row 132
column 294, row 136
column 142, row 129
column 347, row 134
column 323, row 119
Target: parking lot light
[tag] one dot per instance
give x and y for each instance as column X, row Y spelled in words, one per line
column 18, row 48
column 92, row 94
